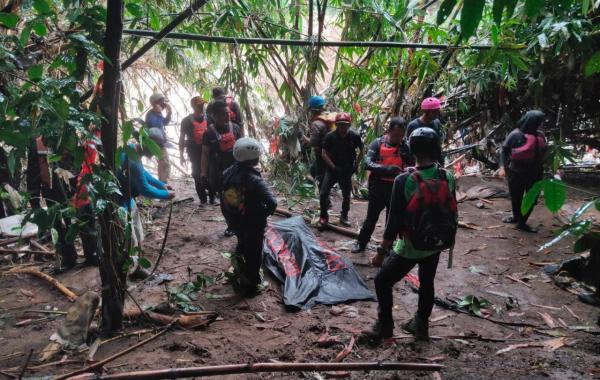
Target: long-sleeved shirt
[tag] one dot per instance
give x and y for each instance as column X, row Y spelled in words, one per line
column 258, row 199
column 142, row 182
column 515, row 139
column 235, row 108
column 157, row 120
column 372, row 159
column 404, row 188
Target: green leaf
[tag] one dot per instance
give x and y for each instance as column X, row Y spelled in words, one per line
column 531, row 196
column 533, row 7
column 135, row 9
column 39, row 28
column 495, row 35
column 581, row 210
column 122, row 214
column 597, row 204
column 42, row 7
column 445, row 10
column 580, row 245
column 498, row 9
column 12, row 163
column 592, row 66
column 35, row 72
column 585, row 7
column 9, row 20
column 470, row 17
column 54, row 234
column 144, row 262
column 154, row 19
column 127, row 130
column 555, row 194
column 151, row 145
column 25, row 34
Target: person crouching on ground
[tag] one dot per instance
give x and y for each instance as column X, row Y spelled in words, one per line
column 192, row 132
column 387, row 157
column 522, row 161
column 339, row 154
column 134, row 181
column 246, row 202
column 424, row 216
column 217, row 148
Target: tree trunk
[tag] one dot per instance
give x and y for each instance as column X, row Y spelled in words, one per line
column 112, row 275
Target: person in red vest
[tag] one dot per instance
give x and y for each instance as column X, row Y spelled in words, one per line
column 192, row 132
column 387, row 157
column 233, row 108
column 217, row 148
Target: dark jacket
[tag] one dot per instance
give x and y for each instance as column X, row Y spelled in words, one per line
column 528, row 124
column 378, row 170
column 235, row 108
column 256, row 201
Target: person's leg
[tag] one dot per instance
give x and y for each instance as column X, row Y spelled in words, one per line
column 516, row 189
column 164, row 166
column 376, row 204
column 393, row 270
column 253, row 255
column 320, row 170
column 427, row 270
column 345, row 182
column 328, row 182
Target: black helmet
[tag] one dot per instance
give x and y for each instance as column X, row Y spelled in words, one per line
column 424, row 141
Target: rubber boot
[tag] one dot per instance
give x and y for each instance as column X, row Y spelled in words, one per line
column 358, row 247
column 418, row 327
column 378, row 333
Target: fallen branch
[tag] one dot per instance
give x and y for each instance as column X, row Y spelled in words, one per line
column 37, row 245
column 54, row 282
column 231, row 369
column 101, row 363
column 22, row 373
column 469, row 226
column 28, row 251
column 185, row 321
column 332, row 227
column 345, row 351
column 512, row 278
column 164, row 242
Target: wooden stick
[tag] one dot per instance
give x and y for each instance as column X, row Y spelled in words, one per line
column 334, row 228
column 30, row 251
column 26, row 364
column 36, row 244
column 185, row 321
column 230, row 369
column 10, row 241
column 54, row 282
column 517, row 280
column 115, row 356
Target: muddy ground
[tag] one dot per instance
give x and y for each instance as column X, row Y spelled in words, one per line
column 482, row 261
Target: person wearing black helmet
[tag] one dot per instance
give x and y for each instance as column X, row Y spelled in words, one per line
column 339, row 155
column 387, row 157
column 522, row 161
column 424, row 218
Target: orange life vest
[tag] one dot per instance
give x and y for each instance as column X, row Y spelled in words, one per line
column 389, row 156
column 199, row 129
column 226, row 140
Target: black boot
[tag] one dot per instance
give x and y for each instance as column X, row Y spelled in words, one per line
column 358, row 247
column 378, row 333
column 418, row 327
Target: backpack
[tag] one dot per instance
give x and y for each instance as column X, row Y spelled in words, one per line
column 233, row 200
column 431, row 214
column 530, row 150
column 329, row 119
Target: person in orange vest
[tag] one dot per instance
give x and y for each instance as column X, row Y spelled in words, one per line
column 192, row 132
column 319, row 127
column 387, row 157
column 233, row 108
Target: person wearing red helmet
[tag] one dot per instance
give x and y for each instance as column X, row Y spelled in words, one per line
column 429, row 119
column 339, row 154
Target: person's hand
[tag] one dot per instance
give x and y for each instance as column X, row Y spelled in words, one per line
column 168, row 187
column 502, row 172
column 171, row 194
column 378, row 258
column 167, row 106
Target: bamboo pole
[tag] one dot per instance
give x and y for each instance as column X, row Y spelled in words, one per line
column 287, row 42
column 230, row 369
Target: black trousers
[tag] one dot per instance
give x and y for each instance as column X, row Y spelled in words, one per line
column 89, row 233
column 345, row 182
column 518, row 185
column 250, row 249
column 394, row 268
column 202, row 188
column 317, row 170
column 380, row 193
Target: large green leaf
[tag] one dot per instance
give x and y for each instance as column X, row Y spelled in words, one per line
column 445, row 10
column 470, row 17
column 533, row 7
column 9, row 20
column 555, row 194
column 42, row 7
column 592, row 66
column 531, row 196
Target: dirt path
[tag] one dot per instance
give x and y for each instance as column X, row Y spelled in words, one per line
column 241, row 336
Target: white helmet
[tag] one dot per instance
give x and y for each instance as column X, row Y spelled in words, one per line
column 246, row 149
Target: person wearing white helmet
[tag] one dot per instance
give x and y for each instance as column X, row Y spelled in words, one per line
column 246, row 202
column 156, row 124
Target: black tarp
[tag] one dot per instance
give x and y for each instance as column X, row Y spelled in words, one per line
column 311, row 272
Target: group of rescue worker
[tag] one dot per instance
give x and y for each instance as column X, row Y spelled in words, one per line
column 407, row 179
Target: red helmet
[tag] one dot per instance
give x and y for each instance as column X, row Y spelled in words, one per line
column 343, row 117
column 431, row 104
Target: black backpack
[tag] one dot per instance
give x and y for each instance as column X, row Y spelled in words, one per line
column 431, row 219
